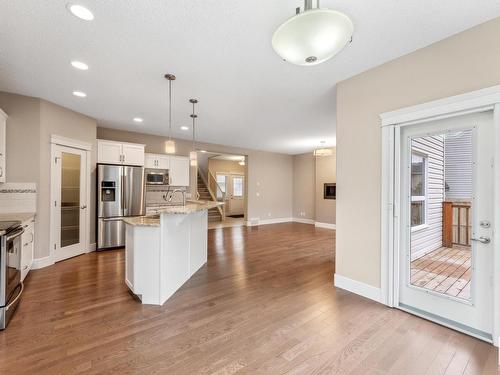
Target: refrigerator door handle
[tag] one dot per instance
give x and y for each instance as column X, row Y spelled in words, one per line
column 124, row 198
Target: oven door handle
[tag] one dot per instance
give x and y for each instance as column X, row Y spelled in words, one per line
column 14, row 234
column 15, row 299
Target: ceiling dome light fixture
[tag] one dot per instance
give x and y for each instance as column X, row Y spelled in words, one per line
column 80, row 11
column 313, row 36
column 138, row 119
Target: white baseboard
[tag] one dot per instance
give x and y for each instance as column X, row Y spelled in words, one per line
column 42, row 262
column 303, row 221
column 358, row 287
column 325, row 225
column 92, row 247
column 256, row 221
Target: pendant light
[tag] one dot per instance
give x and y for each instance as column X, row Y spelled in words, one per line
column 312, row 36
column 193, row 155
column 170, row 144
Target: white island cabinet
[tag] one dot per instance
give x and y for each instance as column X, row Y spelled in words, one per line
column 163, row 252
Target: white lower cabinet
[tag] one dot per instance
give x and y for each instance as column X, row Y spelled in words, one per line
column 28, row 249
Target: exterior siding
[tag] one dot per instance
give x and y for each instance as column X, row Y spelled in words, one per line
column 458, row 166
column 430, row 238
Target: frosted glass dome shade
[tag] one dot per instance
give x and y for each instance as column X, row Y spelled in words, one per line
column 313, row 36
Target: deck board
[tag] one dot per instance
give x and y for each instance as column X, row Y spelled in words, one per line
column 445, row 270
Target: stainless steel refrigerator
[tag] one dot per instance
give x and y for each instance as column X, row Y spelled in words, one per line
column 120, row 193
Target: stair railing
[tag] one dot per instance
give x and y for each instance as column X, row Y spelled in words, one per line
column 218, row 196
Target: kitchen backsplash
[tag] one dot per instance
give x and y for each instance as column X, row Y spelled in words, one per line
column 154, row 195
column 17, row 197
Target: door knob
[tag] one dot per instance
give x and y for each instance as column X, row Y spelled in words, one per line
column 485, row 240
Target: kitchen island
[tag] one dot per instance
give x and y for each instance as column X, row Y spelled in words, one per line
column 162, row 251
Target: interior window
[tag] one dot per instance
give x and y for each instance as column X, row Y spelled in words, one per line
column 418, row 181
column 221, row 181
column 237, row 186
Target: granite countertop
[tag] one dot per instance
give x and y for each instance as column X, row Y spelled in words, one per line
column 153, row 220
column 20, row 216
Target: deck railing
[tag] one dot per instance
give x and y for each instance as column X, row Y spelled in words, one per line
column 457, row 227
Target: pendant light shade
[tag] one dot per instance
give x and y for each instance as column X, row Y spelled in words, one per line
column 170, row 147
column 313, row 36
column 170, row 144
column 193, row 158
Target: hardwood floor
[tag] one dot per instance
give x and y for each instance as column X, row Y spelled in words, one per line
column 264, row 304
column 445, row 270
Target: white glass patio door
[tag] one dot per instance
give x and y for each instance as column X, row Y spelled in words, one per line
column 69, row 191
column 446, row 218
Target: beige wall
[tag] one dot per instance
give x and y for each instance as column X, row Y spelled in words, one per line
column 225, row 166
column 309, row 175
column 30, row 124
column 269, row 175
column 56, row 120
column 325, row 173
column 304, row 185
column 23, row 137
column 465, row 62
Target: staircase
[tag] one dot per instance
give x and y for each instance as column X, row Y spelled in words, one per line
column 214, row 214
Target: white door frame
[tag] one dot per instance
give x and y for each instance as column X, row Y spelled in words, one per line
column 56, row 140
column 391, row 123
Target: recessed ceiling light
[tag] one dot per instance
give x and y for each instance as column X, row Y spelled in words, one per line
column 79, row 65
column 184, row 128
column 138, row 119
column 81, row 12
column 79, row 94
column 203, row 151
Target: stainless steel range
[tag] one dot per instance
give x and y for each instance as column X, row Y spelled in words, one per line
column 11, row 286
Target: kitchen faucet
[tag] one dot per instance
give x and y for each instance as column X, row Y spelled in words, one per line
column 169, row 200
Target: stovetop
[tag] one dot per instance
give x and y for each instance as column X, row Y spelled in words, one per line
column 8, row 226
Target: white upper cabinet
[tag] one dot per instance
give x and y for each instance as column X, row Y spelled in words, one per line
column 150, row 161
column 3, row 129
column 133, row 154
column 163, row 161
column 179, row 171
column 157, row 161
column 110, row 152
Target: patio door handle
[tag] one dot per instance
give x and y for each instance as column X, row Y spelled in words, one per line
column 485, row 240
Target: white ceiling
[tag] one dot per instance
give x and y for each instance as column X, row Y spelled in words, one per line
column 220, row 51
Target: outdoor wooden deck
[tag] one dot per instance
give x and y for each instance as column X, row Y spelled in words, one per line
column 445, row 270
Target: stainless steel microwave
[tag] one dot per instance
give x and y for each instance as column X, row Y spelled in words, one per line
column 157, row 177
